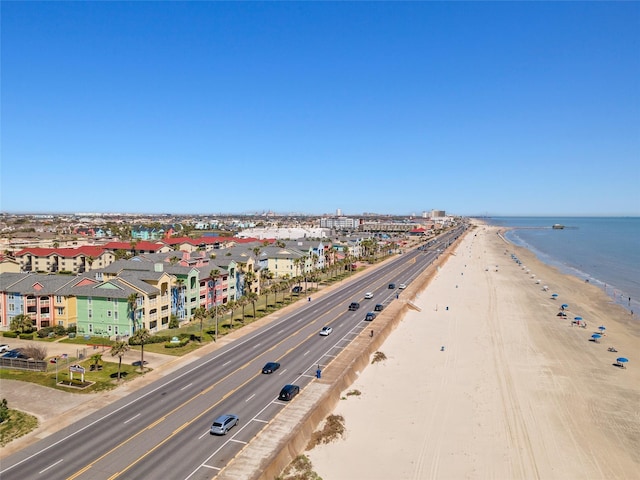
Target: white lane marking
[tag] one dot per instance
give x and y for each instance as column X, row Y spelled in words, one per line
column 186, row 386
column 238, row 441
column 226, row 363
column 204, row 435
column 282, row 371
column 260, row 420
column 250, row 398
column 211, row 467
column 51, row 466
column 257, row 345
column 135, row 416
column 307, row 352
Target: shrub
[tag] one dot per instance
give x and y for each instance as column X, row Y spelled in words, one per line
column 37, row 352
column 59, row 330
column 378, row 357
column 332, row 430
column 72, row 329
column 44, row 332
column 176, row 345
column 10, row 334
column 152, row 339
column 26, row 336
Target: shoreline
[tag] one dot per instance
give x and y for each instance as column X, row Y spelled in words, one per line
column 628, row 300
column 517, row 393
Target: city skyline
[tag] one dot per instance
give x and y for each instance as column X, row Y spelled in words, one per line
column 487, row 108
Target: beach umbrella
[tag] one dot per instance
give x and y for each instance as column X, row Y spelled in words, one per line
column 564, row 305
column 622, row 360
column 602, row 328
column 577, row 318
column 596, row 336
column 554, row 295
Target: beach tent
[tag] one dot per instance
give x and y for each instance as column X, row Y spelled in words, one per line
column 621, row 361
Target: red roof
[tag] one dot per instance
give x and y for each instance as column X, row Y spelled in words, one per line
column 138, row 246
column 86, row 250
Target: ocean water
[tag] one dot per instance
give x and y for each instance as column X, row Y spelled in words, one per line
column 603, row 250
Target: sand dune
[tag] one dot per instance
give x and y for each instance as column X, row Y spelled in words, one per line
column 517, row 393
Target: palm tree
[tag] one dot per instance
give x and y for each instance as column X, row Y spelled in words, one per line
column 141, row 336
column 200, row 314
column 179, row 299
column 253, row 297
column 132, row 304
column 118, row 350
column 22, row 324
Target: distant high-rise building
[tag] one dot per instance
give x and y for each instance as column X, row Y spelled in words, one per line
column 438, row 213
column 338, row 212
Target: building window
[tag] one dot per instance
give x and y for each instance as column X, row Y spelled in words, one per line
column 59, row 311
column 89, row 299
column 58, row 298
column 109, row 329
column 108, row 313
column 115, row 314
column 115, row 329
column 90, row 313
column 60, row 323
column 91, row 328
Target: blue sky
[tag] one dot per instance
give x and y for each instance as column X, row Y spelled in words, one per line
column 498, row 108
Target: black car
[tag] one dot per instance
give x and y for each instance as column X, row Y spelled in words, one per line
column 354, row 306
column 288, row 392
column 378, row 308
column 392, row 286
column 270, row 367
column 297, row 289
column 370, row 316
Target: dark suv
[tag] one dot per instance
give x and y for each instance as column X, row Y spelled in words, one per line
column 378, row 308
column 354, row 306
column 288, row 392
column 370, row 316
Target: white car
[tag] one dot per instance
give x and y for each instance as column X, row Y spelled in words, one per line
column 402, row 286
column 326, row 331
column 4, row 348
column 368, row 295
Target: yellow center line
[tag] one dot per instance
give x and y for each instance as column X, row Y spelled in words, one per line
column 207, row 390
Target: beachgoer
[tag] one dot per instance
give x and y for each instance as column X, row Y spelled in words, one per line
column 371, row 334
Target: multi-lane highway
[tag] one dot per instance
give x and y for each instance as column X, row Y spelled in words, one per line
column 162, row 430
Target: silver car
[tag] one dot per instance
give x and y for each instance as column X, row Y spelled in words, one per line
column 223, row 424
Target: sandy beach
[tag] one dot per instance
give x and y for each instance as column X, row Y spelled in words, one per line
column 517, row 392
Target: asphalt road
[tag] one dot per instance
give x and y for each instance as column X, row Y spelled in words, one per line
column 162, row 430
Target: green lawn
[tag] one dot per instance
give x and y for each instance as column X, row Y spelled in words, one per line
column 105, row 379
column 17, row 425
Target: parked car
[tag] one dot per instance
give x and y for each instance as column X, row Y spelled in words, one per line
column 370, row 316
column 223, row 424
column 4, row 348
column 270, row 367
column 378, row 308
column 326, row 331
column 402, row 286
column 16, row 353
column 354, row 306
column 288, row 392
column 368, row 295
column 392, row 286
column 297, row 289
